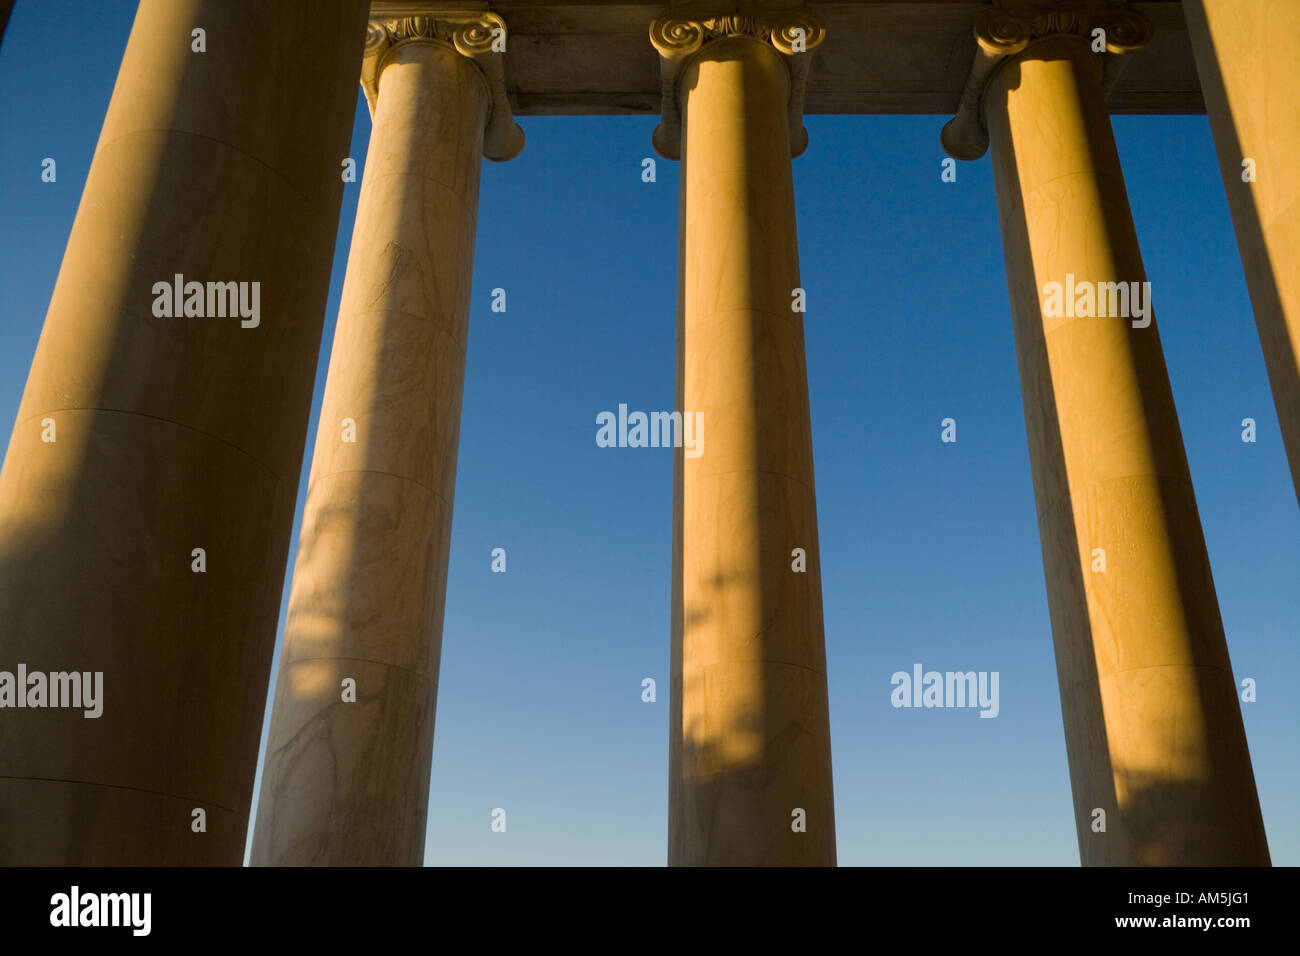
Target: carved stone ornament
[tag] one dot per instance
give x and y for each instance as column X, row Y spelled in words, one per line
column 478, row 35
column 793, row 33
column 1010, row 26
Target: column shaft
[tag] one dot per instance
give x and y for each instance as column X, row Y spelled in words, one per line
column 171, row 434
column 1248, row 57
column 348, row 782
column 1152, row 724
column 750, row 740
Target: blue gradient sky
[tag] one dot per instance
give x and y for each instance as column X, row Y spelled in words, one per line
column 929, row 551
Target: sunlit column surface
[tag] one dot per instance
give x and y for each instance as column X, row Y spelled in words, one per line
column 146, row 434
column 1248, row 58
column 347, row 780
column 1156, row 747
column 750, row 761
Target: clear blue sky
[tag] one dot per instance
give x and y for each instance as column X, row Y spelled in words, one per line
column 929, row 551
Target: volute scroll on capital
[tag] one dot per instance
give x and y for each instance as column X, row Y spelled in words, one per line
column 1007, row 29
column 793, row 33
column 477, row 35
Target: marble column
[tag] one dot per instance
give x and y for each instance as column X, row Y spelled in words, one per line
column 346, row 782
column 1154, row 735
column 1248, row 58
column 750, row 761
column 147, row 496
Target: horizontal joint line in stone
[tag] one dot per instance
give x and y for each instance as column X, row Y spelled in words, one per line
column 470, row 208
column 753, row 660
column 447, row 318
column 1146, row 667
column 366, row 660
column 376, row 471
column 753, row 310
column 1073, row 494
column 189, row 428
column 220, row 142
column 1089, row 174
column 752, row 471
column 206, row 804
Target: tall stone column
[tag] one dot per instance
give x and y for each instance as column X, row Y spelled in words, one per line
column 750, row 761
column 147, row 496
column 346, row 780
column 1248, row 57
column 1152, row 724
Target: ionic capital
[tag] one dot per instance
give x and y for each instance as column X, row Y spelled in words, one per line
column 792, row 33
column 476, row 34
column 1007, row 30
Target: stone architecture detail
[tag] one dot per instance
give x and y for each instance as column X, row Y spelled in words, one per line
column 95, row 563
column 1248, row 58
column 347, row 781
column 1152, row 723
column 1010, row 26
column 750, row 725
column 793, row 33
column 479, row 35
